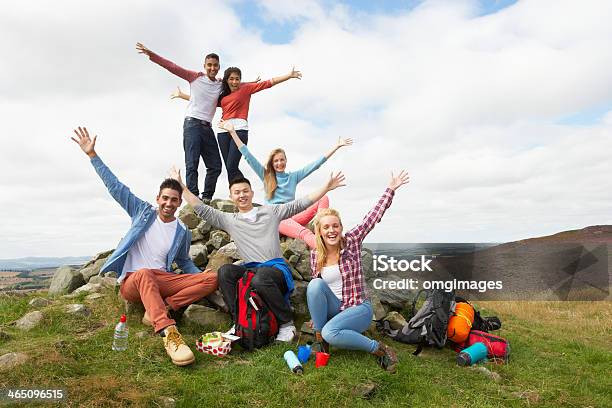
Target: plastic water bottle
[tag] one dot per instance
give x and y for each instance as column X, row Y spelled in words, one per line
column 120, row 338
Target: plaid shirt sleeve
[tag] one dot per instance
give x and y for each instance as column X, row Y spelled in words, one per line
column 313, row 263
column 372, row 217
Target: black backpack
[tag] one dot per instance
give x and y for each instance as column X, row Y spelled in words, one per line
column 255, row 323
column 484, row 324
column 428, row 325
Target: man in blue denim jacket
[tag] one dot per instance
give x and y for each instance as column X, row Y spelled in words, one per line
column 145, row 255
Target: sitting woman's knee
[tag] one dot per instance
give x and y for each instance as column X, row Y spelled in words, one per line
column 315, row 285
column 329, row 334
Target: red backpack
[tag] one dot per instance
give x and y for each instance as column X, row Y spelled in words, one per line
column 497, row 347
column 255, row 323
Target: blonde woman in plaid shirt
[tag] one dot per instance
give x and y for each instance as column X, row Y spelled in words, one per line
column 337, row 296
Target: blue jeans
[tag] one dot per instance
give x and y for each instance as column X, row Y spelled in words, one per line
column 199, row 141
column 231, row 154
column 339, row 328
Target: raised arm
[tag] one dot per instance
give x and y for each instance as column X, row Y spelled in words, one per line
column 186, row 74
column 180, row 94
column 121, row 193
column 339, row 144
column 375, row 214
column 215, row 217
column 225, row 125
column 292, row 74
column 293, row 207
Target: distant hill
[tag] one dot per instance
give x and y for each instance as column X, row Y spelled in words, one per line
column 569, row 265
column 30, row 263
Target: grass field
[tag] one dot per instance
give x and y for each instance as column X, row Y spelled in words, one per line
column 561, row 356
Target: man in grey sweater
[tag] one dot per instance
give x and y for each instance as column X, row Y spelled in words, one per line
column 255, row 232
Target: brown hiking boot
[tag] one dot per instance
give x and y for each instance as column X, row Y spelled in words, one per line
column 176, row 348
column 387, row 357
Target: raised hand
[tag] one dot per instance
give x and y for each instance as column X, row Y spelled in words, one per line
column 176, row 94
column 84, row 141
column 399, row 180
column 295, row 74
column 336, row 181
column 142, row 49
column 344, row 142
column 224, row 124
column 176, row 175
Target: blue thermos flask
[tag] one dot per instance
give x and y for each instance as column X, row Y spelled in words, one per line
column 472, row 355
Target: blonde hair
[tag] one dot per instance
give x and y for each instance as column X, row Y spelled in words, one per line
column 270, row 174
column 321, row 248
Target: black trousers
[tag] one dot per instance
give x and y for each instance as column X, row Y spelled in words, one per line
column 269, row 283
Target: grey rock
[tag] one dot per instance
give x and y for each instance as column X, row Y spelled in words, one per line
column 141, row 334
column 189, row 217
column 65, row 280
column 367, row 264
column 294, row 247
column 94, row 296
column 217, row 240
column 365, row 390
column 106, row 282
column 206, row 316
column 4, row 336
column 395, row 298
column 379, row 309
column 298, row 298
column 296, row 275
column 216, row 299
column 99, row 255
column 29, row 320
column 132, row 308
column 218, row 260
column 89, row 287
column 92, row 270
column 306, row 328
column 293, row 260
column 111, row 274
column 12, row 360
column 196, row 235
column 204, row 227
column 39, row 302
column 225, row 206
column 491, row 374
column 78, row 309
column 303, row 267
column 396, row 320
column 198, row 254
column 166, row 402
column 230, row 250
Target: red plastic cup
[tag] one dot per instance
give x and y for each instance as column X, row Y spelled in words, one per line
column 321, row 359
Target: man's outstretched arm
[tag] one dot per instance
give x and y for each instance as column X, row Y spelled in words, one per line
column 121, row 193
column 186, row 74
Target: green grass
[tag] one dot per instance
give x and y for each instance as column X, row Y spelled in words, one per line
column 560, row 357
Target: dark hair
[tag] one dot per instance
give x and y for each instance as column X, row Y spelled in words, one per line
column 239, row 180
column 172, row 184
column 211, row 55
column 225, row 90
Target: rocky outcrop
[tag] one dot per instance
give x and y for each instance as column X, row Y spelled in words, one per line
column 29, row 320
column 65, row 280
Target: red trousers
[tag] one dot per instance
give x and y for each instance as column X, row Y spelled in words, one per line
column 156, row 289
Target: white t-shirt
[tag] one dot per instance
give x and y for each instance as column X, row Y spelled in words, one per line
column 151, row 249
column 251, row 215
column 204, row 96
column 332, row 276
column 239, row 124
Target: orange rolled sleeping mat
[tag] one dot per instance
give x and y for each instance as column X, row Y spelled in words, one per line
column 460, row 323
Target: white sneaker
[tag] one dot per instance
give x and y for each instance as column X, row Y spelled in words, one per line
column 231, row 331
column 286, row 334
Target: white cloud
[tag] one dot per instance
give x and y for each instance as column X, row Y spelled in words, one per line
column 467, row 104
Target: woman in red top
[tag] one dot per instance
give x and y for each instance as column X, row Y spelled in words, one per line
column 234, row 101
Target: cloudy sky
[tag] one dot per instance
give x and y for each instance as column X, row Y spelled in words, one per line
column 500, row 110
